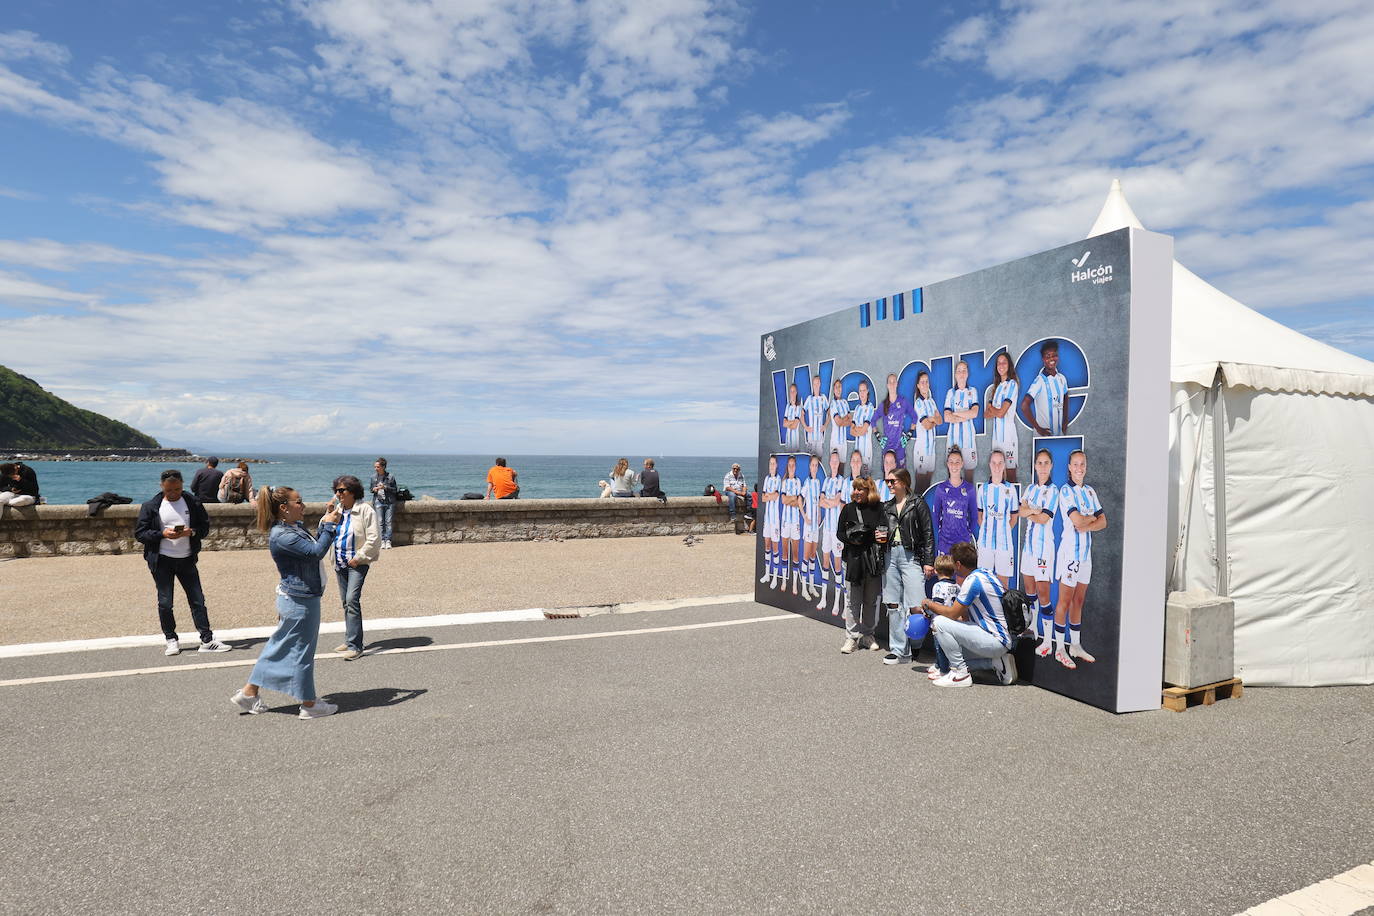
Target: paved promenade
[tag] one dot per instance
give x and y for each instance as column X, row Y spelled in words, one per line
column 712, row 759
column 48, row 599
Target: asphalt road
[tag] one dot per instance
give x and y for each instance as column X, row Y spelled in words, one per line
column 746, row 769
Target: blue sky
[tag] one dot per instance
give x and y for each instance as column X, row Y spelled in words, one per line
column 559, row 226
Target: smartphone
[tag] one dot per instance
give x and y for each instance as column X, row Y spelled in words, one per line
column 178, row 528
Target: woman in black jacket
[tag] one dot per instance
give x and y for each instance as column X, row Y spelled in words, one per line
column 863, row 530
column 910, row 561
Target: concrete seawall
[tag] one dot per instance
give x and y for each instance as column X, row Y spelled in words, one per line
column 47, row 531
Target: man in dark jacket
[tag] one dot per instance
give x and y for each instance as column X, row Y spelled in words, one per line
column 170, row 527
column 911, row 559
column 649, row 484
column 205, row 485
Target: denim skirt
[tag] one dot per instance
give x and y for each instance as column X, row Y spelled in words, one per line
column 287, row 662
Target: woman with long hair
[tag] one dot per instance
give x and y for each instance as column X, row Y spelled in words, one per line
column 894, row 421
column 997, row 515
column 890, row 463
column 622, row 479
column 1037, row 551
column 1082, row 512
column 791, row 495
column 922, row 454
column 236, row 486
column 773, row 570
column 1001, row 409
column 834, row 494
column 961, row 409
column 792, row 420
column 287, row 662
column 863, row 530
column 861, row 425
column 840, row 420
column 910, row 560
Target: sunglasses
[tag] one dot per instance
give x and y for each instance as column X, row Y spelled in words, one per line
column 341, row 489
column 889, row 480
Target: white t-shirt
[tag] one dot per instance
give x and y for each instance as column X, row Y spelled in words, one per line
column 173, row 514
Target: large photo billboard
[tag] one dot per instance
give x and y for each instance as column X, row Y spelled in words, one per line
column 1028, row 403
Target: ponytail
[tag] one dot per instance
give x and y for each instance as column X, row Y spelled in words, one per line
column 269, row 503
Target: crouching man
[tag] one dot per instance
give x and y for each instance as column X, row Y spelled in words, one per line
column 971, row 632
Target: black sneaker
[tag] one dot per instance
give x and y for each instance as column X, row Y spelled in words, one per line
column 892, row 658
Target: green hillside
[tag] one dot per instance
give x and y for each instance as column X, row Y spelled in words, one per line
column 32, row 418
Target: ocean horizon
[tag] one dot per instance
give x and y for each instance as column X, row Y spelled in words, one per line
column 437, row 476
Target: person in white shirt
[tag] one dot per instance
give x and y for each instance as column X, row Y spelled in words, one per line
column 356, row 547
column 1038, row 507
column 769, row 496
column 861, row 427
column 997, row 516
column 815, row 409
column 921, row 452
column 834, row 494
column 792, row 420
column 1083, row 514
column 840, row 421
column 1045, row 405
column 961, row 409
column 791, row 494
column 736, row 491
column 170, row 527
column 1001, row 410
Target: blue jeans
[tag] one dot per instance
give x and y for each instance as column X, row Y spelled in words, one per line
column 732, row 499
column 967, row 645
column 904, row 584
column 384, row 511
column 351, row 594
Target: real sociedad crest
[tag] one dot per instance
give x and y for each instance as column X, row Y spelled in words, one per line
column 769, row 352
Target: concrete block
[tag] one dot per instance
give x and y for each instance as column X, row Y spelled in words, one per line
column 1199, row 639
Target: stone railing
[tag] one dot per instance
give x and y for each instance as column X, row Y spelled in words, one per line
column 46, row 531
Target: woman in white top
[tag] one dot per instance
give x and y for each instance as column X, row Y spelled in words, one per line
column 623, row 480
column 356, row 547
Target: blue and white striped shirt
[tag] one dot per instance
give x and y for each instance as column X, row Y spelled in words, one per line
column 834, row 486
column 884, row 491
column 1082, row 500
column 998, row 503
column 839, row 407
column 791, row 515
column 863, row 416
column 772, row 485
column 1048, row 393
column 1040, row 538
column 811, row 501
column 815, row 406
column 343, row 541
column 792, row 436
column 923, row 441
column 981, row 593
column 1004, row 427
column 961, row 432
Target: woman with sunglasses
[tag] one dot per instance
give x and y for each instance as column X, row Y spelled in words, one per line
column 356, row 548
column 287, row 662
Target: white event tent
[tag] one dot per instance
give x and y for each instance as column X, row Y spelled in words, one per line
column 1271, row 456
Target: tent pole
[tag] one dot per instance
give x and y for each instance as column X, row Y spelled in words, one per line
column 1223, row 558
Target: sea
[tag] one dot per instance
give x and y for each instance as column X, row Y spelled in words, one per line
column 438, row 476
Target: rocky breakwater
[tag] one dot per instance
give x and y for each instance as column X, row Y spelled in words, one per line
column 52, row 531
column 151, row 455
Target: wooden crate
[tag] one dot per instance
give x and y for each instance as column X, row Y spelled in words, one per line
column 1180, row 698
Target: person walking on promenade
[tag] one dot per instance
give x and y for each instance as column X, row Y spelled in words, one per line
column 622, row 479
column 237, row 485
column 383, row 488
column 863, row 529
column 170, row 527
column 502, row 482
column 736, row 492
column 356, row 548
column 910, row 561
column 18, row 485
column 287, row 662
column 649, row 482
column 205, row 485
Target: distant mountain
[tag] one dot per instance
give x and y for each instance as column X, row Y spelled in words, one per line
column 33, row 418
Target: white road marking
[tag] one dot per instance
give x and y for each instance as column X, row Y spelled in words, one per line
column 238, row 663
column 148, row 641
column 1346, row 893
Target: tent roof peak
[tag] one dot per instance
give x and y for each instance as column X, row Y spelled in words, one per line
column 1116, row 213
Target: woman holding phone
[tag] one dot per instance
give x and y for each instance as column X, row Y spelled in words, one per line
column 863, row 530
column 287, row 662
column 356, row 548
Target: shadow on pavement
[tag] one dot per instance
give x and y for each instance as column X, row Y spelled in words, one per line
column 400, row 642
column 355, row 700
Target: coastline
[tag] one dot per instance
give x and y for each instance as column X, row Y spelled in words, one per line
column 147, row 455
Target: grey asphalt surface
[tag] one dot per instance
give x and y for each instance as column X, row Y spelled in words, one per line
column 744, row 769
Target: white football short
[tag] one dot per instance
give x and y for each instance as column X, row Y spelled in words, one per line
column 771, row 526
column 791, row 530
column 1036, row 566
column 1008, row 449
column 1072, row 571
column 830, row 541
column 811, row 531
column 998, row 562
column 922, row 462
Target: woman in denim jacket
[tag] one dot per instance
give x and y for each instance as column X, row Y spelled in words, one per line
column 287, row 662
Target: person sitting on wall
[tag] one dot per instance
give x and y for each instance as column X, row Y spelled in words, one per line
column 736, row 491
column 971, row 632
column 648, row 482
column 18, row 485
column 501, row 481
column 205, row 485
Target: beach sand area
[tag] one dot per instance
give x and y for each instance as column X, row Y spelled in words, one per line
column 48, row 599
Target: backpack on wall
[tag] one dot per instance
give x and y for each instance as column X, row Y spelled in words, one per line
column 1016, row 609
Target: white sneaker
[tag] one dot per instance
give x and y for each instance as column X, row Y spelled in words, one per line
column 893, row 658
column 869, row 642
column 386, row 545
column 933, row 673
column 1045, row 648
column 1081, row 654
column 765, row 577
column 1063, row 658
column 173, row 647
column 821, row 605
column 214, row 645
column 849, row 645
column 1005, row 668
column 252, row 705
column 321, row 709
column 957, row 677
column 838, row 609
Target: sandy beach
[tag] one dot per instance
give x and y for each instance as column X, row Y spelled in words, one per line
column 61, row 598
